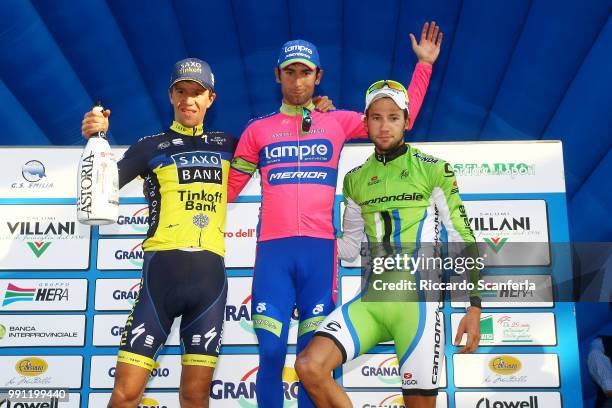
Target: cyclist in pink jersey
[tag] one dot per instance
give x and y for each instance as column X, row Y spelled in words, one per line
column 297, row 150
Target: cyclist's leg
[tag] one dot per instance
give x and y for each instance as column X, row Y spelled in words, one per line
column 419, row 344
column 350, row 331
column 315, row 291
column 271, row 309
column 201, row 325
column 145, row 332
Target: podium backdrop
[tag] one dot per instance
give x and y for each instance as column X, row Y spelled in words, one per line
column 66, row 288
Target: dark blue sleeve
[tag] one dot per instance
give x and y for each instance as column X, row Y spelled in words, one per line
column 134, row 162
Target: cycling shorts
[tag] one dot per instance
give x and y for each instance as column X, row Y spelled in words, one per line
column 416, row 328
column 191, row 284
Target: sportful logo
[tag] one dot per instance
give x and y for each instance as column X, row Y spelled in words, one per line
column 316, row 150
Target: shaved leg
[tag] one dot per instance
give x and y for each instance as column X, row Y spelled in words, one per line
column 195, row 386
column 130, row 382
column 420, row 401
column 314, row 366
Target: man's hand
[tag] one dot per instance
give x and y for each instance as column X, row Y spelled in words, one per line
column 470, row 324
column 94, row 122
column 428, row 49
column 323, row 103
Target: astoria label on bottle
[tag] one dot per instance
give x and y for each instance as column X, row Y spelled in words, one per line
column 97, row 183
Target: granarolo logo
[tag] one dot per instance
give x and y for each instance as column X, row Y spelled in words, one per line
column 387, row 371
column 139, row 221
column 135, row 255
column 129, row 295
column 392, row 401
column 244, row 389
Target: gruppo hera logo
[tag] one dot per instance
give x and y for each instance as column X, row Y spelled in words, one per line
column 15, row 293
column 244, row 390
column 33, row 171
column 387, row 371
column 135, row 255
column 31, row 366
column 139, row 221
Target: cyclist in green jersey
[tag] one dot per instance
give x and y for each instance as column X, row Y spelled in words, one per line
column 399, row 196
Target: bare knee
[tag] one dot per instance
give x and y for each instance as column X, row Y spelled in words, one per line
column 308, row 368
column 125, row 396
column 194, row 399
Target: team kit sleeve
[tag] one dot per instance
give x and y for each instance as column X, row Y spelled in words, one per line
column 244, row 164
column 133, row 163
column 349, row 243
column 455, row 219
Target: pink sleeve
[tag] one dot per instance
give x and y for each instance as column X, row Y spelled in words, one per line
column 417, row 90
column 352, row 124
column 243, row 165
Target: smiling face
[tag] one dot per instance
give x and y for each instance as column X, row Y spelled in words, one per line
column 190, row 101
column 298, row 82
column 385, row 123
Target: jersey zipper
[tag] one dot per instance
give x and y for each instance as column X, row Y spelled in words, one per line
column 298, row 134
column 193, row 143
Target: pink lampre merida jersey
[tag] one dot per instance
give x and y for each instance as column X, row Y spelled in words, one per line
column 299, row 168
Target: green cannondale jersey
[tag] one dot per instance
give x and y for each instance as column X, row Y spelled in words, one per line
column 403, row 197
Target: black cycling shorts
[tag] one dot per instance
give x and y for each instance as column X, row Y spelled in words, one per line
column 191, row 284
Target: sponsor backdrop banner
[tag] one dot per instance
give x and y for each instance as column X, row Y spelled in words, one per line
column 66, row 289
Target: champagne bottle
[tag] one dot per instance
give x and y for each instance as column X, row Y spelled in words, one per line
column 97, row 181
